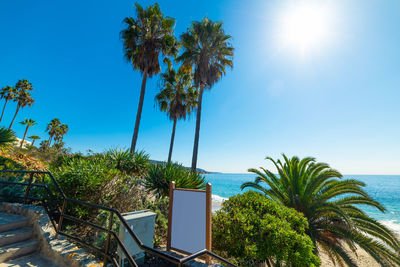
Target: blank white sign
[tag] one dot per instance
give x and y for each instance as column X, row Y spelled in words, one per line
column 188, row 227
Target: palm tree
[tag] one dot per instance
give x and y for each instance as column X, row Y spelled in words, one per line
column 28, row 123
column 7, row 93
column 34, row 138
column 329, row 204
column 23, row 97
column 60, row 132
column 7, row 137
column 207, row 49
column 145, row 38
column 178, row 97
column 52, row 129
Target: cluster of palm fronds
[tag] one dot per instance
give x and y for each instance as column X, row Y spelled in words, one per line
column 160, row 175
column 331, row 206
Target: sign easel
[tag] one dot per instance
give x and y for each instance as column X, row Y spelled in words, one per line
column 189, row 219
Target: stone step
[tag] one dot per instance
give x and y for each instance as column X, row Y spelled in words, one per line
column 16, row 250
column 33, row 260
column 11, row 222
column 15, row 236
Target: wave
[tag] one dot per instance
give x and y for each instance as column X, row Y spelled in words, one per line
column 217, row 202
column 393, row 225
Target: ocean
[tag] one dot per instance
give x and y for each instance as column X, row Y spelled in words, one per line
column 383, row 188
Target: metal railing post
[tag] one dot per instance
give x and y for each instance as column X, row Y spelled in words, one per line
column 110, row 223
column 60, row 221
column 28, row 189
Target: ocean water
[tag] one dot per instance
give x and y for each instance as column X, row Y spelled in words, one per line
column 383, row 188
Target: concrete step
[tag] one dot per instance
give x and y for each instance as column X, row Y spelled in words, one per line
column 11, row 221
column 33, row 260
column 16, row 250
column 15, row 236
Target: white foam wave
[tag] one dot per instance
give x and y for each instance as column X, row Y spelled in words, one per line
column 217, row 202
column 393, row 225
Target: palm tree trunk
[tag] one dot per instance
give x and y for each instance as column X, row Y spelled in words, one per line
column 23, row 139
column 50, row 139
column 15, row 115
column 197, row 134
column 2, row 113
column 139, row 112
column 33, row 142
column 172, row 141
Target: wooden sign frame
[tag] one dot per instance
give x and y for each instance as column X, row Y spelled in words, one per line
column 208, row 216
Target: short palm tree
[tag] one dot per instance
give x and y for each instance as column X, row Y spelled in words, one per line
column 329, row 204
column 7, row 93
column 28, row 123
column 7, row 137
column 207, row 49
column 178, row 97
column 34, row 138
column 52, row 128
column 23, row 97
column 145, row 38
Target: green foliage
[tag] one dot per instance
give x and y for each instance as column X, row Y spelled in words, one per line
column 159, row 176
column 207, row 49
column 331, row 207
column 253, row 229
column 178, row 96
column 267, row 232
column 130, row 163
column 11, row 190
column 7, row 137
column 84, row 179
column 147, row 36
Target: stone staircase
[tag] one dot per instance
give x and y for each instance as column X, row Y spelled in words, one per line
column 17, row 244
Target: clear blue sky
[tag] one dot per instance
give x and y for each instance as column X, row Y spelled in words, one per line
column 338, row 101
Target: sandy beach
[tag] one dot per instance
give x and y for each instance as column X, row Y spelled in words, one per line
column 362, row 258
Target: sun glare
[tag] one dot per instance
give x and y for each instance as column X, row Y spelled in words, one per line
column 305, row 26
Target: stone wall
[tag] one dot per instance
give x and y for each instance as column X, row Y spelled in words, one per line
column 60, row 250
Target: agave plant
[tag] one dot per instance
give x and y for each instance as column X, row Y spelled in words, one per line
column 331, row 206
column 131, row 163
column 7, row 137
column 159, row 176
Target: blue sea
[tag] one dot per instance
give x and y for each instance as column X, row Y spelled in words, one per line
column 383, row 188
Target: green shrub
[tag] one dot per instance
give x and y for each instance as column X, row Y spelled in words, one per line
column 252, row 229
column 130, row 163
column 84, row 179
column 159, row 176
column 10, row 191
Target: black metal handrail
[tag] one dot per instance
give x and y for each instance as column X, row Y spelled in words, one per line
column 110, row 233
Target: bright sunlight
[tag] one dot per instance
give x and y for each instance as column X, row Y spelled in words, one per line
column 305, row 26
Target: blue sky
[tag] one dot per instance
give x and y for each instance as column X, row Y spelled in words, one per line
column 338, row 102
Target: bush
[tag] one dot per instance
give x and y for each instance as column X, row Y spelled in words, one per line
column 159, row 176
column 252, row 229
column 10, row 191
column 130, row 163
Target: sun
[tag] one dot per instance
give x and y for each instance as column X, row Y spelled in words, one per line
column 305, row 26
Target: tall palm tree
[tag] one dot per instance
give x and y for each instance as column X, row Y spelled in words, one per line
column 34, row 138
column 178, row 97
column 7, row 93
column 207, row 49
column 23, row 97
column 28, row 123
column 60, row 132
column 329, row 204
column 52, row 129
column 145, row 38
